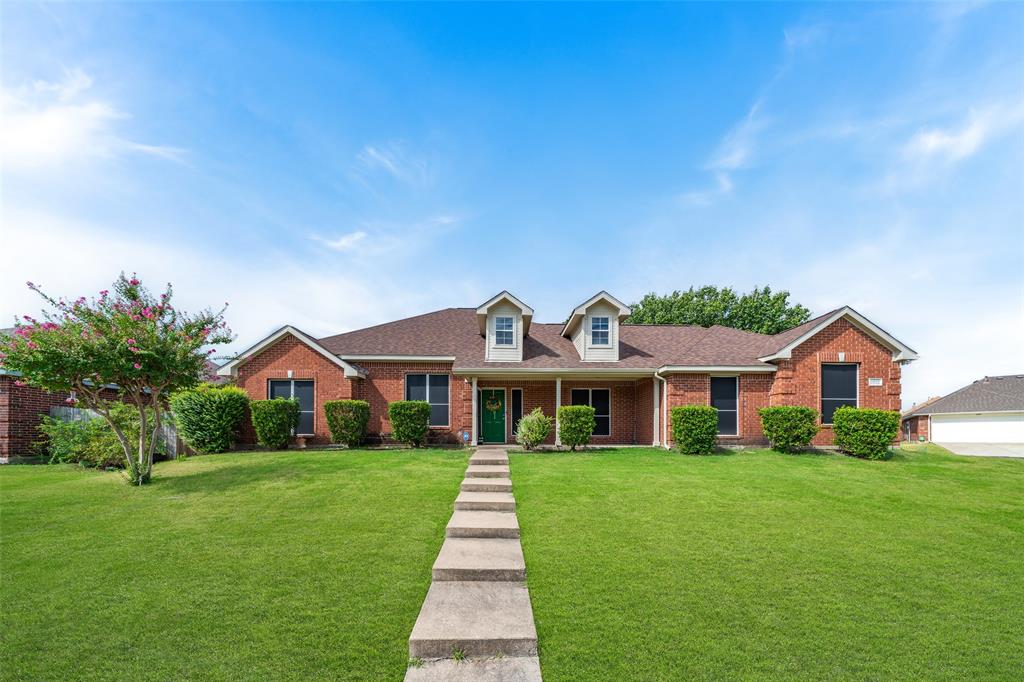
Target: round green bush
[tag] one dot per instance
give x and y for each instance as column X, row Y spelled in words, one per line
column 866, row 433
column 576, row 424
column 533, row 429
column 695, row 429
column 347, row 420
column 410, row 421
column 789, row 427
column 208, row 416
column 274, row 421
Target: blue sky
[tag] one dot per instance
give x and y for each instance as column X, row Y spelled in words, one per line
column 334, row 166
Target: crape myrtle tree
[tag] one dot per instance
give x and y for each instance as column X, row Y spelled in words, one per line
column 126, row 341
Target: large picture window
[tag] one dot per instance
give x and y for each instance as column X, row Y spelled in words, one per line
column 504, row 331
column 600, row 399
column 725, row 399
column 838, row 388
column 432, row 388
column 599, row 331
column 301, row 390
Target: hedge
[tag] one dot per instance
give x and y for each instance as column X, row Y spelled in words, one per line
column 533, row 429
column 208, row 416
column 789, row 427
column 347, row 420
column 410, row 421
column 274, row 420
column 695, row 428
column 866, row 433
column 576, row 424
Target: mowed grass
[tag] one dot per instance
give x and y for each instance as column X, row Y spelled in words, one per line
column 647, row 565
column 290, row 565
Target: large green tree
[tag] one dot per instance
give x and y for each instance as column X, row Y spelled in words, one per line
column 760, row 310
column 127, row 345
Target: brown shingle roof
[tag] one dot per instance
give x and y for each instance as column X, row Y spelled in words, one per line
column 455, row 332
column 991, row 394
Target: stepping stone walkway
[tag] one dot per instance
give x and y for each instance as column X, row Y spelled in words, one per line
column 478, row 607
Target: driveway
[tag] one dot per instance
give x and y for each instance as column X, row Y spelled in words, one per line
column 986, row 449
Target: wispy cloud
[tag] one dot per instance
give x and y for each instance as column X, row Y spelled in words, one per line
column 958, row 142
column 344, row 243
column 395, row 160
column 49, row 124
column 734, row 152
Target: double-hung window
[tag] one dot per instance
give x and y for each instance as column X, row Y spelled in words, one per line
column 504, row 331
column 301, row 390
column 725, row 399
column 600, row 400
column 599, row 331
column 838, row 388
column 432, row 388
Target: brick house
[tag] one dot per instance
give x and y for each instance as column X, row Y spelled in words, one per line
column 482, row 368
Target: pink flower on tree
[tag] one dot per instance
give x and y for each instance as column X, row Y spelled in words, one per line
column 130, row 342
column 137, row 366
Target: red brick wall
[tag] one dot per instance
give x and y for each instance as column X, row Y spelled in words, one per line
column 385, row 383
column 798, row 381
column 22, row 409
column 915, row 427
column 274, row 362
column 695, row 389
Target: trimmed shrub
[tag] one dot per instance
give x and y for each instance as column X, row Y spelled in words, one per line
column 274, row 420
column 533, row 429
column 208, row 416
column 694, row 429
column 576, row 424
column 789, row 427
column 347, row 420
column 410, row 421
column 866, row 433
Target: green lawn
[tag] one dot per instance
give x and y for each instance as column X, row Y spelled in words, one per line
column 292, row 565
column 647, row 565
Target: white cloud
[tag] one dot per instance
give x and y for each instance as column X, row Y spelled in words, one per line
column 959, row 142
column 346, row 242
column 393, row 159
column 48, row 125
column 796, row 37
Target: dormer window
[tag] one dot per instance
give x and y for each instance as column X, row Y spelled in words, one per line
column 504, row 331
column 599, row 331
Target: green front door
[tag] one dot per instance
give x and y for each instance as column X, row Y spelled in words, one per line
column 492, row 408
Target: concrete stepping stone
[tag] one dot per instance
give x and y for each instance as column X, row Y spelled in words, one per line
column 497, row 559
column 485, row 458
column 473, row 501
column 488, row 485
column 476, row 618
column 483, row 524
column 487, row 471
column 503, row 669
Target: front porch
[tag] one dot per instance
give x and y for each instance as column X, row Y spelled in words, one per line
column 627, row 408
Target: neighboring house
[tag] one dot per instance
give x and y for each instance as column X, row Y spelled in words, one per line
column 22, row 409
column 990, row 410
column 482, row 368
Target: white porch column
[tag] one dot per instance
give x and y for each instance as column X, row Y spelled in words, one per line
column 558, row 403
column 474, row 434
column 657, row 411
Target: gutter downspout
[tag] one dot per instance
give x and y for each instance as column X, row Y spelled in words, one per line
column 664, row 408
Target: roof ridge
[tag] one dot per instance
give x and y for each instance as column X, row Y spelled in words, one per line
column 384, row 324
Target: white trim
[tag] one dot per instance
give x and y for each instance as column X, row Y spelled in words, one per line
column 513, row 345
column 581, row 310
column 711, row 369
column 229, row 369
column 558, row 404
column 475, row 426
column 426, row 386
column 821, row 388
column 656, row 402
column 398, row 358
column 525, row 310
column 607, row 331
column 590, row 400
column 548, row 371
column 901, row 351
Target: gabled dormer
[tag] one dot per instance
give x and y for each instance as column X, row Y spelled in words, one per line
column 505, row 323
column 593, row 327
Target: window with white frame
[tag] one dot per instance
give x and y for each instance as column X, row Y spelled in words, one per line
column 725, row 399
column 504, row 331
column 599, row 331
column 433, row 388
column 600, row 399
column 838, row 388
column 301, row 390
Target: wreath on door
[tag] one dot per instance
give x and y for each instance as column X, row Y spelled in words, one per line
column 492, row 405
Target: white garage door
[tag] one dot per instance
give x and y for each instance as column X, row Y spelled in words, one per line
column 978, row 428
